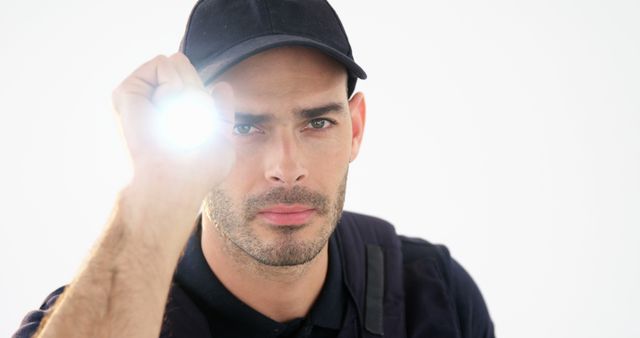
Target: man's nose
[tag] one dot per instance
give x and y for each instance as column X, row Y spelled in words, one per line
column 285, row 161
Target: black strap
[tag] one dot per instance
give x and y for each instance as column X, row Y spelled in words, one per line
column 373, row 321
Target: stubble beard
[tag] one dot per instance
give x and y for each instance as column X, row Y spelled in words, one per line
column 287, row 250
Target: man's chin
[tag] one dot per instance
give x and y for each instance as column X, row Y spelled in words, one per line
column 289, row 255
column 287, row 246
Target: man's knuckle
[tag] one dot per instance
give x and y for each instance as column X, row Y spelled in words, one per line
column 160, row 58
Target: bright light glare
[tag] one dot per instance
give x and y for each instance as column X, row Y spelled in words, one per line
column 186, row 120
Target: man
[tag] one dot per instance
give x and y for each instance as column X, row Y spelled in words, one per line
column 270, row 254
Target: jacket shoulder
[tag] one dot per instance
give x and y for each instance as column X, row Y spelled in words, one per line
column 439, row 293
column 423, row 260
column 32, row 320
column 414, row 248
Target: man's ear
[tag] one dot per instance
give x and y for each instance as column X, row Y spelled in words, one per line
column 358, row 111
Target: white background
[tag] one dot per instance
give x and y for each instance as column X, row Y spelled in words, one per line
column 508, row 130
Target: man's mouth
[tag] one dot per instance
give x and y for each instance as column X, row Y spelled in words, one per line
column 287, row 214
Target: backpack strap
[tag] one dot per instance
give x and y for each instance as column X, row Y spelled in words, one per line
column 374, row 302
column 372, row 269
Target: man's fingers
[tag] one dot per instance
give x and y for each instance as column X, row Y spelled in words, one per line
column 186, row 70
column 169, row 80
column 145, row 80
column 159, row 78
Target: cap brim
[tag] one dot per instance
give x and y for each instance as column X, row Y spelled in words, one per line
column 211, row 68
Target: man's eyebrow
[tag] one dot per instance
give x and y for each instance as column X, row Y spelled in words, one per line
column 306, row 113
column 249, row 118
column 310, row 113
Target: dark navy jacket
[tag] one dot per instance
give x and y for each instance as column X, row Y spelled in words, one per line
column 395, row 287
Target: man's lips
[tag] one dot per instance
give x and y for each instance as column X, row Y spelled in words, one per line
column 287, row 214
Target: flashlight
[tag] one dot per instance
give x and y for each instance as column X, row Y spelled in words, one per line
column 185, row 120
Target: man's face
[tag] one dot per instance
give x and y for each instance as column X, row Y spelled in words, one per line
column 294, row 133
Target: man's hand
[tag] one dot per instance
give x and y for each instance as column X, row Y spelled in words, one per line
column 122, row 289
column 182, row 177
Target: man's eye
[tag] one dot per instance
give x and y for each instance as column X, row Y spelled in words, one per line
column 320, row 123
column 243, row 129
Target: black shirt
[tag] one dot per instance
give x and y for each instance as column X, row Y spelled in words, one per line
column 230, row 317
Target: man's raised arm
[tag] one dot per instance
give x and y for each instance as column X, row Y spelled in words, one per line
column 122, row 288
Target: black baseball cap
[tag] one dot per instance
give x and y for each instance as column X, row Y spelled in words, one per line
column 221, row 33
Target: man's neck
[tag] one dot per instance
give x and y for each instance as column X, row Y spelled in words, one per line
column 280, row 293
